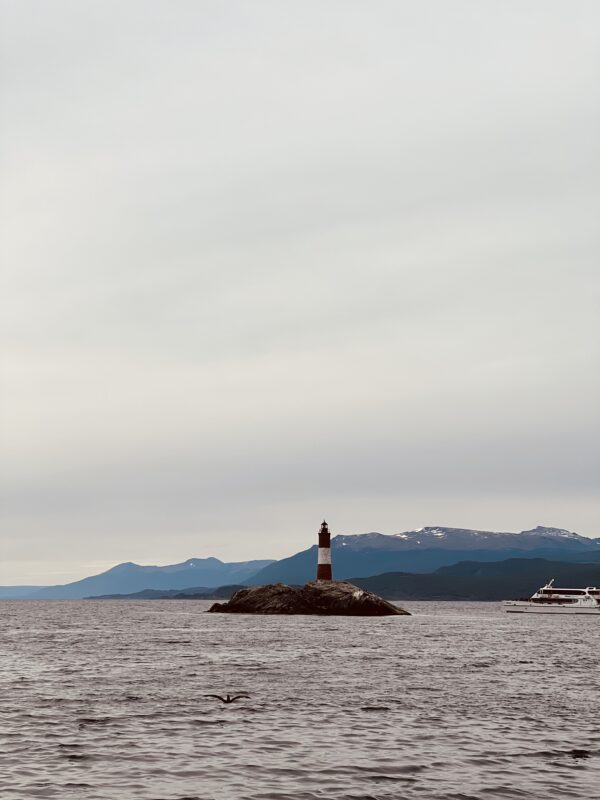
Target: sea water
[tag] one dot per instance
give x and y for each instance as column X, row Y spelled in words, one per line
column 105, row 700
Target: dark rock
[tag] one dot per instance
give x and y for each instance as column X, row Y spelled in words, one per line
column 318, row 597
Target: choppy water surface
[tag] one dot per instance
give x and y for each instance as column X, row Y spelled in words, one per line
column 104, row 701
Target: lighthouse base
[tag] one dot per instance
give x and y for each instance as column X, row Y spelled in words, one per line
column 326, row 597
column 324, row 572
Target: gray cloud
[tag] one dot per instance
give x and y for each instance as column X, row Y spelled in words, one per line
column 266, row 261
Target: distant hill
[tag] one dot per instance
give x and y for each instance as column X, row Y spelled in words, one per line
column 518, row 577
column 193, row 593
column 427, row 549
column 127, row 578
column 148, row 594
column 534, row 568
column 467, row 580
column 17, row 592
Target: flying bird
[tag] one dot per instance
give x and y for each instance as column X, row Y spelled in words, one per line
column 229, row 698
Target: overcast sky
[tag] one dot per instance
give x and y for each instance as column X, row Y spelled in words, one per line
column 266, row 262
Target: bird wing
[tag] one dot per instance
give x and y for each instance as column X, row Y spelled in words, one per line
column 238, row 696
column 217, row 697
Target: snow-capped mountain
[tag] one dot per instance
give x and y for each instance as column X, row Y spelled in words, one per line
column 427, row 549
column 465, row 538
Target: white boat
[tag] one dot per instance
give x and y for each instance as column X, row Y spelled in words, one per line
column 552, row 600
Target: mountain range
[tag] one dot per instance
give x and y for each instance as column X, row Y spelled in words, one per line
column 354, row 556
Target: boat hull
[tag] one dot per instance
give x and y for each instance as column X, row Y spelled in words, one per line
column 526, row 608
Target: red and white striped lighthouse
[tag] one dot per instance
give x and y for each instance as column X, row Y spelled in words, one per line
column 324, row 560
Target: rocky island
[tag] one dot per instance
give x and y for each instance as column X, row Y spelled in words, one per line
column 318, row 597
column 323, row 596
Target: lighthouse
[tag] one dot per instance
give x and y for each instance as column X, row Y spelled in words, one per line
column 324, row 560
